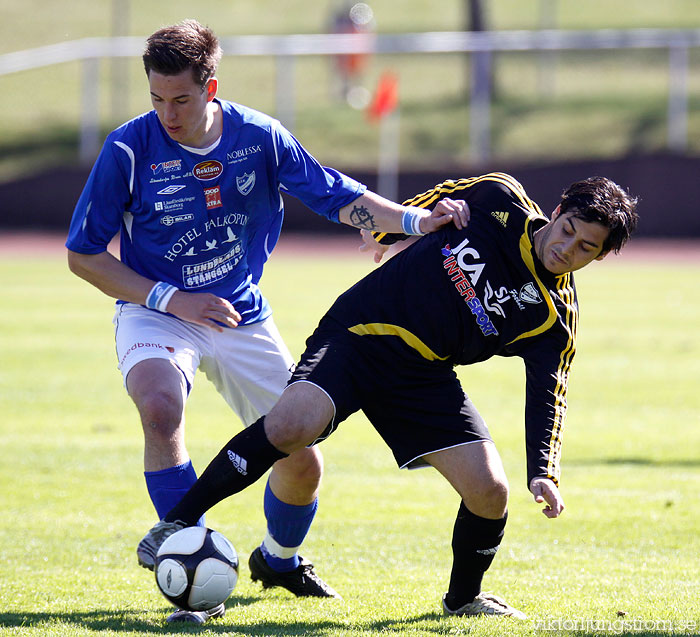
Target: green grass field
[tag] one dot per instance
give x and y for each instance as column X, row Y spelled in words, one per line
column 74, row 504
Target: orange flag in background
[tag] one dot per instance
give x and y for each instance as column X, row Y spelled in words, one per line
column 386, row 97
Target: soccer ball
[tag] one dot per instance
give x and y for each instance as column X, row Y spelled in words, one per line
column 196, row 568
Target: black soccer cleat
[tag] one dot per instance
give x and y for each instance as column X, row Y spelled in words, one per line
column 302, row 581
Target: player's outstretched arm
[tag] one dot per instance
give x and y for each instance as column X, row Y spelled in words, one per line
column 544, row 490
column 115, row 279
column 372, row 212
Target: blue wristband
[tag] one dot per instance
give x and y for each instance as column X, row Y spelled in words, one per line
column 160, row 295
column 410, row 222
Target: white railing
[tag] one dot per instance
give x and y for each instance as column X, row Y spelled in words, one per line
column 285, row 48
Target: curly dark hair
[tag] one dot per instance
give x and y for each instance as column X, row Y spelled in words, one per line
column 186, row 45
column 600, row 200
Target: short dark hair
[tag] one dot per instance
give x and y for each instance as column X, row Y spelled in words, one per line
column 600, row 200
column 186, row 45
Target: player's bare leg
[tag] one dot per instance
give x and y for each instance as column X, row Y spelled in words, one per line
column 297, row 478
column 157, row 388
column 299, row 417
column 476, row 472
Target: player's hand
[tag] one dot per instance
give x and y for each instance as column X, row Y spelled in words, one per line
column 204, row 309
column 455, row 210
column 544, row 490
column 370, row 245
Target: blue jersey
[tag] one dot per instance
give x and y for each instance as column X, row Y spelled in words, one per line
column 204, row 221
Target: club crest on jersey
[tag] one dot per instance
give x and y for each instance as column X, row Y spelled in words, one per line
column 529, row 294
column 245, row 182
column 208, row 170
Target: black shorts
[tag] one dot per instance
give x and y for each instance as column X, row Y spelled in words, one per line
column 416, row 406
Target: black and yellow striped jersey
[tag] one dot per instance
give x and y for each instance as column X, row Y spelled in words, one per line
column 457, row 297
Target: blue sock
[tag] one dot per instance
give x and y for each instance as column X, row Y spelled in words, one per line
column 167, row 486
column 287, row 526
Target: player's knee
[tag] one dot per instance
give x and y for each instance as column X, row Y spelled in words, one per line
column 161, row 414
column 298, row 418
column 490, row 500
column 498, row 496
column 289, row 434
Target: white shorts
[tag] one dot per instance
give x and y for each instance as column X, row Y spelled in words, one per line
column 249, row 365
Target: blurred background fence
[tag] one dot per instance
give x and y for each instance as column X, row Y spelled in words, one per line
column 482, row 85
column 93, row 52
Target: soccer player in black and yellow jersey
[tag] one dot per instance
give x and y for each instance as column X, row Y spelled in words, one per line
column 388, row 346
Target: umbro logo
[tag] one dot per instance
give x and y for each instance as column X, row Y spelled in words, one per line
column 241, row 464
column 171, row 190
column 502, row 217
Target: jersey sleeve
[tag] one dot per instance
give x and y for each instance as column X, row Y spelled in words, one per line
column 324, row 190
column 98, row 214
column 490, row 192
column 547, row 366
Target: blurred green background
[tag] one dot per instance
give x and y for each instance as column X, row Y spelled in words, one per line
column 599, row 104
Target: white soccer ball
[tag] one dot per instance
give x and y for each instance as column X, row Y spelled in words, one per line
column 196, row 568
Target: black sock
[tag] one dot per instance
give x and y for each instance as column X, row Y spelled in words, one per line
column 244, row 459
column 475, row 541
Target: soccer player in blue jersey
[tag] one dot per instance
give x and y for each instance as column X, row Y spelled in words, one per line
column 194, row 189
column 501, row 286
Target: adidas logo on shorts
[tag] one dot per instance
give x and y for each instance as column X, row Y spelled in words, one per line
column 241, row 464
